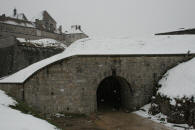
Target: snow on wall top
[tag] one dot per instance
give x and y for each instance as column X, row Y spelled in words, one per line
column 122, row 46
column 179, row 81
column 45, row 42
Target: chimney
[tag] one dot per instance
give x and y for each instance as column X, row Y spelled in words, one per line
column 3, row 15
column 15, row 11
column 79, row 27
column 60, row 29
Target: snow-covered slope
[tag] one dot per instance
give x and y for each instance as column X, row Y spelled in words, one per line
column 122, row 46
column 179, row 82
column 11, row 119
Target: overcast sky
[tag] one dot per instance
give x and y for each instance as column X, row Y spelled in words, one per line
column 111, row 17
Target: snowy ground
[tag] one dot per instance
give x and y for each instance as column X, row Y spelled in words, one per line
column 45, row 42
column 11, row 119
column 157, row 118
column 181, row 44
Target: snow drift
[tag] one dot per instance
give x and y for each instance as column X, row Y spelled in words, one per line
column 179, row 82
column 11, row 119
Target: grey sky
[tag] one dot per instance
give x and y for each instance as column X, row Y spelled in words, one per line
column 111, row 17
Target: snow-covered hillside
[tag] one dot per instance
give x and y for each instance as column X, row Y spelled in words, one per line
column 179, row 82
column 182, row 44
column 11, row 119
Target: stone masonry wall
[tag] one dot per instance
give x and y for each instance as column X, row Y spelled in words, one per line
column 28, row 32
column 14, row 57
column 25, row 56
column 34, row 34
column 7, row 45
column 70, row 85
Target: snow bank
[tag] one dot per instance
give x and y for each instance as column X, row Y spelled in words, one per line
column 158, row 118
column 179, row 82
column 6, row 100
column 143, row 45
column 45, row 42
column 122, row 46
column 11, row 119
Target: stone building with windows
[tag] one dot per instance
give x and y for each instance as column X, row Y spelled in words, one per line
column 16, row 19
column 46, row 22
column 42, row 26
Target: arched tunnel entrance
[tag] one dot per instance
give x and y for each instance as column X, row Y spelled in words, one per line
column 113, row 93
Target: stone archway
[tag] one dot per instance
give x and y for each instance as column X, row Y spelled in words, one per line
column 113, row 92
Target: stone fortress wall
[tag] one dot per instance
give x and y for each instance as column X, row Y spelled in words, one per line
column 70, row 85
column 34, row 33
column 14, row 57
column 43, row 26
column 27, row 32
column 19, row 56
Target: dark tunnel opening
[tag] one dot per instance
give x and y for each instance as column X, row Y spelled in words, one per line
column 110, row 94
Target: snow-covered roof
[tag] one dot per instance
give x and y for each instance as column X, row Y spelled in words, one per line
column 25, row 24
column 179, row 81
column 120, row 46
column 17, row 19
column 20, row 16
